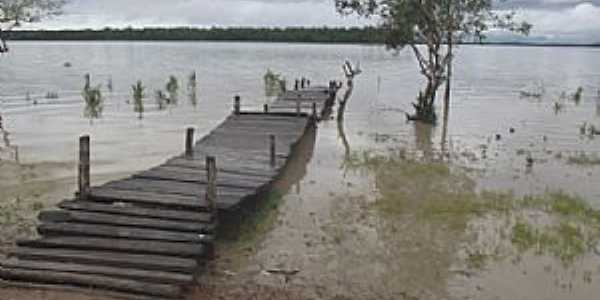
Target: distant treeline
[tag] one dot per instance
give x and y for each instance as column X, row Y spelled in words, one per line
column 366, row 35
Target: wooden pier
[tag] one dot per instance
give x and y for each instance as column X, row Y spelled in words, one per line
column 148, row 235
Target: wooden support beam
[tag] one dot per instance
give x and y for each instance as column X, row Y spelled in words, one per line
column 237, row 105
column 272, row 148
column 189, row 142
column 211, row 180
column 84, row 167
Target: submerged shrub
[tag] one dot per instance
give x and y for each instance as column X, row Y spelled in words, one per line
column 94, row 102
column 173, row 90
column 138, row 98
column 274, row 84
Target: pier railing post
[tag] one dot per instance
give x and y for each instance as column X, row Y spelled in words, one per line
column 211, row 183
column 84, row 167
column 236, row 105
column 266, row 108
column 272, row 150
column 189, row 142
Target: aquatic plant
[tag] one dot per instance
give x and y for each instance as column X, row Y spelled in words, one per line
column 161, row 99
column 193, row 89
column 578, row 95
column 94, row 102
column 138, row 98
column 274, row 83
column 109, row 84
column 172, row 88
column 584, row 159
column 52, row 95
column 537, row 92
column 443, row 196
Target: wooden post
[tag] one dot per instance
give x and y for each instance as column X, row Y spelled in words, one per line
column 303, row 82
column 308, row 82
column 272, row 148
column 236, row 104
column 266, row 108
column 211, row 183
column 296, row 85
column 314, row 109
column 189, row 142
column 84, row 167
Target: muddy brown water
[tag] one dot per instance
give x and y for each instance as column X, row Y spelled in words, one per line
column 325, row 230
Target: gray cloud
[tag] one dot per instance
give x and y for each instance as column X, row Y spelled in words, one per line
column 572, row 20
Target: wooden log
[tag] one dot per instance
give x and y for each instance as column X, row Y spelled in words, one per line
column 189, row 142
column 211, row 179
column 236, row 105
column 136, row 211
column 110, row 258
column 272, row 148
column 125, row 273
column 120, row 232
column 120, row 220
column 84, row 167
column 172, row 249
column 93, row 281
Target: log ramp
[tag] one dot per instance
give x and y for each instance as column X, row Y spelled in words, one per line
column 149, row 235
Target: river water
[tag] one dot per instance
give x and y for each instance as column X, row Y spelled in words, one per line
column 493, row 130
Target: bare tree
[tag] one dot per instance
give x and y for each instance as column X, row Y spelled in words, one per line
column 350, row 71
column 13, row 13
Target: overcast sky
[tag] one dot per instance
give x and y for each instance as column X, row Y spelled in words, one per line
column 560, row 20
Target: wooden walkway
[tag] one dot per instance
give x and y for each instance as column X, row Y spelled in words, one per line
column 149, row 234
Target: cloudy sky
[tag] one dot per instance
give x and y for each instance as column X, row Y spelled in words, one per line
column 555, row 20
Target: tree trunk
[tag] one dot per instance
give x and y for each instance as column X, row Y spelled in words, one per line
column 448, row 78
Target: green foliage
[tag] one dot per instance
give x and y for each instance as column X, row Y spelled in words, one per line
column 274, row 83
column 369, row 35
column 173, row 90
column 94, row 102
column 14, row 13
column 138, row 98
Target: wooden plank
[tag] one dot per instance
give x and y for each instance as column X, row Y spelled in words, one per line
column 239, row 169
column 192, row 250
column 130, row 210
column 125, row 232
column 77, row 290
column 110, row 258
column 175, row 187
column 126, row 273
column 186, row 175
column 149, row 198
column 92, row 281
column 112, row 219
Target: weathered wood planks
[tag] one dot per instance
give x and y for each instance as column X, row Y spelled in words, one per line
column 150, row 233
